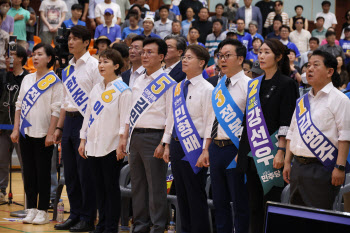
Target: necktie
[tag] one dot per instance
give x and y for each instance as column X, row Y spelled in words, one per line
column 214, row 130
column 185, row 90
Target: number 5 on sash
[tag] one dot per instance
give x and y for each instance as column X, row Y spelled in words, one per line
column 160, row 82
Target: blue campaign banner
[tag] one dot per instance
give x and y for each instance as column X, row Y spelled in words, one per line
column 186, row 131
column 263, row 150
column 33, row 95
column 313, row 138
column 269, row 176
column 228, row 114
column 151, row 94
column 67, row 72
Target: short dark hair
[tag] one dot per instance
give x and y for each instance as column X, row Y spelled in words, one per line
column 133, row 13
column 326, row 2
column 134, row 6
column 138, row 37
column 163, row 7
column 292, row 51
column 330, row 33
column 50, row 52
column 218, row 20
column 180, row 42
column 295, row 8
column 280, row 2
column 314, row 39
column 162, row 47
column 76, row 7
column 320, row 17
column 285, row 26
column 115, row 56
column 278, row 18
column 219, row 4
column 22, row 53
column 241, row 50
column 200, row 52
column 4, row 2
column 176, row 21
column 257, row 38
column 204, row 8
column 240, row 19
column 195, row 28
column 81, row 32
column 250, row 63
column 329, row 61
column 122, row 48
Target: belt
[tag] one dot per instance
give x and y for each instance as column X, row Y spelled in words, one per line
column 74, row 114
column 223, row 143
column 147, row 130
column 177, row 139
column 306, row 160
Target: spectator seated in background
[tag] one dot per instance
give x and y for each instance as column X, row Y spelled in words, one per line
column 249, row 13
column 232, row 34
column 278, row 11
column 324, row 41
column 295, row 71
column 92, row 6
column 299, row 11
column 126, row 23
column 331, row 47
column 8, row 21
column 247, row 66
column 101, row 8
column 123, row 49
column 219, row 11
column 186, row 24
column 148, row 25
column 253, row 54
column 277, row 23
column 253, row 29
column 101, row 43
column 134, row 27
column 256, row 70
column 143, row 7
column 214, row 39
column 162, row 27
column 204, row 26
column 108, row 29
column 345, row 44
column 77, row 11
column 176, row 29
column 313, row 45
column 284, row 32
column 243, row 36
column 329, row 18
column 319, row 31
column 128, row 39
column 300, row 37
column 193, row 35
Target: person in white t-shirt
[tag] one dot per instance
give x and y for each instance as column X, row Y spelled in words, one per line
column 329, row 18
column 52, row 14
column 100, row 9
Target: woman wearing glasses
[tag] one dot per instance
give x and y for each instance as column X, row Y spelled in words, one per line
column 190, row 117
column 269, row 116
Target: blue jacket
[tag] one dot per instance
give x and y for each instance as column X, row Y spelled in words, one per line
column 256, row 15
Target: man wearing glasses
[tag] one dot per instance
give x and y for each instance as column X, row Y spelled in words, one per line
column 151, row 97
column 228, row 183
column 278, row 11
column 173, row 65
column 135, row 51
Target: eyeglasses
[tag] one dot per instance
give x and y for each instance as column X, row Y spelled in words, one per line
column 225, row 56
column 171, row 47
column 183, row 58
column 147, row 53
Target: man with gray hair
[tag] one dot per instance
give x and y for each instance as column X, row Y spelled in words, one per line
column 173, row 64
column 253, row 30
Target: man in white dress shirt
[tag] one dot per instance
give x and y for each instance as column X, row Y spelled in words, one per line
column 227, row 183
column 147, row 168
column 310, row 183
column 80, row 188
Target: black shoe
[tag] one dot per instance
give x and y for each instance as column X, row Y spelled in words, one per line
column 97, row 230
column 67, row 224
column 82, row 226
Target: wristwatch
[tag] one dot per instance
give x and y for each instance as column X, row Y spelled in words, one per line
column 340, row 167
column 162, row 143
column 282, row 149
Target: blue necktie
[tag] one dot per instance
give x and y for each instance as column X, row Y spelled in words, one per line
column 185, row 90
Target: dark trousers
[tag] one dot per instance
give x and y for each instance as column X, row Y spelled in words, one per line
column 36, row 160
column 77, row 173
column 106, row 171
column 228, row 186
column 311, row 185
column 190, row 192
column 257, row 199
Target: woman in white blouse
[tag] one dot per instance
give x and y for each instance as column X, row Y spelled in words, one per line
column 104, row 123
column 38, row 103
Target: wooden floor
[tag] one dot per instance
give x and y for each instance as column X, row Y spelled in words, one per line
column 10, row 224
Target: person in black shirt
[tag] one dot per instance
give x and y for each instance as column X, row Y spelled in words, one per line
column 9, row 89
column 278, row 95
column 204, row 26
column 266, row 6
column 194, row 4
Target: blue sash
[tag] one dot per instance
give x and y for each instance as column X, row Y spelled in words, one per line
column 106, row 98
column 76, row 94
column 228, row 114
column 150, row 95
column 313, row 138
column 186, row 131
column 33, row 94
column 261, row 143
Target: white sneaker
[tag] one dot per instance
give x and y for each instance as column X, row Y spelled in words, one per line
column 41, row 218
column 31, row 213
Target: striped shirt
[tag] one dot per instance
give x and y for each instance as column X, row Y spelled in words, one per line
column 212, row 42
column 271, row 16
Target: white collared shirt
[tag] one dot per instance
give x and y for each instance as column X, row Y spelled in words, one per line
column 169, row 69
column 135, row 74
column 330, row 110
column 198, row 102
column 155, row 117
column 238, row 90
column 248, row 13
column 103, row 135
column 301, row 40
column 87, row 74
column 47, row 105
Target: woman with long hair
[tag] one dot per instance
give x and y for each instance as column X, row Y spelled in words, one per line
column 341, row 70
column 270, row 105
column 37, row 111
